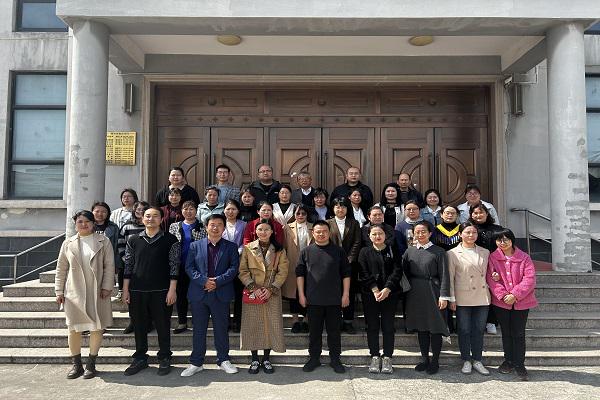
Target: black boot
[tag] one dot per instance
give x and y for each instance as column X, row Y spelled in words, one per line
column 77, row 369
column 90, row 367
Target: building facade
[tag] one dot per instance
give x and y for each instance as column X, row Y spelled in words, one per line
column 483, row 92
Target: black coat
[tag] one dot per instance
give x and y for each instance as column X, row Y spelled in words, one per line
column 381, row 269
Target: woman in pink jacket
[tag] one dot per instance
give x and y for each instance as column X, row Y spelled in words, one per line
column 511, row 278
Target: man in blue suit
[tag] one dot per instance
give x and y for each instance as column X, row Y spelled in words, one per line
column 212, row 264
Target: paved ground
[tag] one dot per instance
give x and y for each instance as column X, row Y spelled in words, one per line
column 25, row 382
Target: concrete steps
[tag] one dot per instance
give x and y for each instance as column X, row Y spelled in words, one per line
column 32, row 329
column 406, row 356
column 536, row 338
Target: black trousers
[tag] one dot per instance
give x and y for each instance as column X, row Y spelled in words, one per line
column 348, row 312
column 146, row 307
column 120, row 277
column 512, row 323
column 295, row 307
column 380, row 314
column 183, row 283
column 330, row 317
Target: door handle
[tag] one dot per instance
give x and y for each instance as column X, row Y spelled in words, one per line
column 438, row 172
column 430, row 173
column 318, row 167
column 325, row 162
column 214, row 164
column 205, row 169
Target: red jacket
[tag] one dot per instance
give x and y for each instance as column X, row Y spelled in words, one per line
column 250, row 231
column 517, row 276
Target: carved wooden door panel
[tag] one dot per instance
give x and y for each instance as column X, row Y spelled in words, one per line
column 293, row 150
column 242, row 149
column 344, row 148
column 185, row 147
column 461, row 158
column 407, row 150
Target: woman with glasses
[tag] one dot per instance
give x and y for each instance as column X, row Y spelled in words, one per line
column 511, row 277
column 123, row 214
column 473, row 197
column 426, row 268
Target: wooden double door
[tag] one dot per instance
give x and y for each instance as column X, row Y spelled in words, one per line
column 446, row 158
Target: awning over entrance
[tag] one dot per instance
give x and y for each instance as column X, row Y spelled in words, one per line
column 340, row 37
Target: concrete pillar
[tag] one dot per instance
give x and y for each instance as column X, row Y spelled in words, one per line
column 87, row 117
column 569, row 189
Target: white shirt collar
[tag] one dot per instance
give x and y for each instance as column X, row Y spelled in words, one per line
column 425, row 246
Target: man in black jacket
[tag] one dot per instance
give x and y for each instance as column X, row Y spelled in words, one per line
column 265, row 188
column 353, row 182
column 305, row 193
column 375, row 216
column 407, row 191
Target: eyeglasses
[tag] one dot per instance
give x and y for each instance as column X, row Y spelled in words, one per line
column 264, row 171
column 503, row 240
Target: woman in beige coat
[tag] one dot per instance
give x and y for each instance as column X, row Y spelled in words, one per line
column 85, row 277
column 469, row 296
column 263, row 269
column 298, row 235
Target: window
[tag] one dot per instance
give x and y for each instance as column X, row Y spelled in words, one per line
column 592, row 95
column 38, row 120
column 594, row 29
column 38, row 16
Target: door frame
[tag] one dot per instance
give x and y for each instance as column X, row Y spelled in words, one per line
column 497, row 144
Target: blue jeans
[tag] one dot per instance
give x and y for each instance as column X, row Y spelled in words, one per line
column 470, row 321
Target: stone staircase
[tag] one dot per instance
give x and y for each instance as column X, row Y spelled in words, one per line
column 563, row 330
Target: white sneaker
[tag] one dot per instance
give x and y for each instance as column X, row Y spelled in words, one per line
column 478, row 366
column 191, row 370
column 375, row 368
column 466, row 369
column 386, row 366
column 228, row 367
column 491, row 329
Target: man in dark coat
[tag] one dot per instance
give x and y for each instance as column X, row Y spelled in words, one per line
column 265, row 188
column 353, row 182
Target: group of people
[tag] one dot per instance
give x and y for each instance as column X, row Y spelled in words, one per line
column 268, row 243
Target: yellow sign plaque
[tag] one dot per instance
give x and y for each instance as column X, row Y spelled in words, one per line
column 120, row 148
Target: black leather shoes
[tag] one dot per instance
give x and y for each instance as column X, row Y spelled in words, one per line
column 135, row 367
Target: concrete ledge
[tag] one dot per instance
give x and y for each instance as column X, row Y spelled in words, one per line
column 37, row 204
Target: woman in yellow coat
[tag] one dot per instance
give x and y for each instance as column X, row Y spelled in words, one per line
column 263, row 270
column 85, row 277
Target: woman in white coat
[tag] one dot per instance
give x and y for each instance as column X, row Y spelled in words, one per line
column 85, row 278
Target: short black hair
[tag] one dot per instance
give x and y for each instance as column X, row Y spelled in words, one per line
column 175, row 191
column 285, row 186
column 465, row 225
column 426, row 224
column 507, row 233
column 375, row 207
column 162, row 213
column 320, row 222
column 302, row 207
column 411, row 202
column 437, row 193
column 448, row 206
column 177, row 169
column 85, row 213
column 262, row 203
column 220, row 217
column 212, row 187
column 320, row 191
column 472, row 186
column 131, row 191
column 222, row 166
column 340, row 201
column 101, row 204
column 489, row 220
column 380, row 226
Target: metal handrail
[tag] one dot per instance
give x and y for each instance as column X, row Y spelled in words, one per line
column 16, row 256
column 529, row 234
